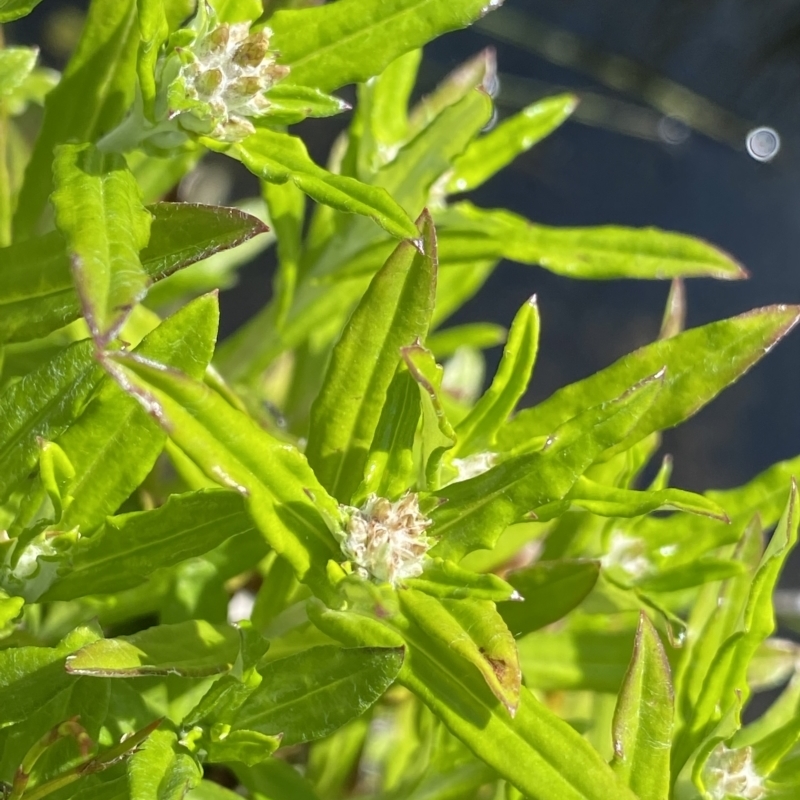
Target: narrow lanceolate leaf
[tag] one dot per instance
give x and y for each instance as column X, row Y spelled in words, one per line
column 99, row 211
column 41, row 406
column 586, row 253
column 725, row 688
column 486, row 156
column 608, row 501
column 37, row 293
column 351, row 41
column 390, row 95
column 478, row 510
column 191, row 649
column 476, row 632
column 282, row 494
column 437, row 434
column 290, row 104
column 477, row 430
column 310, row 695
column 534, row 750
column 643, row 719
column 102, row 73
column 277, row 158
column 394, row 312
column 548, row 591
column 31, row 676
column 153, row 32
column 700, row 363
column 114, row 444
column 160, row 769
column 129, row 548
column 478, row 335
column 14, row 9
column 389, row 469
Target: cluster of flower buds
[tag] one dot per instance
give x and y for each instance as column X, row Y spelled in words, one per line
column 386, row 540
column 217, row 81
column 731, row 773
column 210, row 81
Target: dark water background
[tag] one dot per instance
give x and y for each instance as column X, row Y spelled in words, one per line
column 615, row 164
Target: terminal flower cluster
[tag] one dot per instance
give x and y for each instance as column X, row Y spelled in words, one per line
column 387, row 540
column 217, row 83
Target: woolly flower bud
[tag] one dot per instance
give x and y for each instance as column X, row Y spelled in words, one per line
column 628, row 554
column 386, row 540
column 221, row 79
column 731, row 773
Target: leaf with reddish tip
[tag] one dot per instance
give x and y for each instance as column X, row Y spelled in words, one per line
column 37, row 294
column 644, row 717
column 700, row 363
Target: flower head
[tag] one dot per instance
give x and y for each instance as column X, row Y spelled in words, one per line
column 732, row 773
column 386, row 540
column 217, row 78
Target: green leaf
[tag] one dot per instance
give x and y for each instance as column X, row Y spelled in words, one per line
column 153, row 32
column 114, row 444
column 287, row 208
column 394, row 312
column 353, row 40
column 208, row 790
column 234, row 451
column 476, row 632
column 389, row 469
column 608, row 501
column 31, row 676
column 238, row 10
column 41, row 406
column 470, row 234
column 274, row 780
column 486, row 156
column 102, row 73
column 37, row 294
column 391, row 91
column 699, row 363
column 477, row 430
column 576, row 658
column 725, row 687
column 277, row 157
column 99, row 210
column 290, row 104
column 194, row 649
column 478, row 510
column 549, row 591
column 644, row 717
column 159, row 770
column 437, row 434
column 127, row 550
column 16, row 64
column 14, row 9
column 309, row 695
column 478, row 335
column 535, row 750
column 447, row 580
